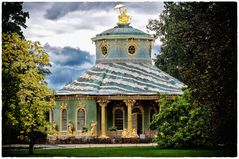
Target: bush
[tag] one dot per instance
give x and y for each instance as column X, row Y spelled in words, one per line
column 183, row 123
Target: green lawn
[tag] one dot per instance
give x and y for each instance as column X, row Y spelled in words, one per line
column 118, row 152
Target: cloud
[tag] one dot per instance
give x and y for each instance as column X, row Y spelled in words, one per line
column 145, row 7
column 63, row 75
column 31, row 6
column 60, row 9
column 156, row 49
column 67, row 64
column 68, row 56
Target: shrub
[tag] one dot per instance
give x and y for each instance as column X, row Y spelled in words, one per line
column 183, row 123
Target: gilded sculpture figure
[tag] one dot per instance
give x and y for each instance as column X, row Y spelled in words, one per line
column 93, row 128
column 70, row 128
column 123, row 17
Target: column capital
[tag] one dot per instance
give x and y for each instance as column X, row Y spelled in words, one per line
column 129, row 102
column 103, row 102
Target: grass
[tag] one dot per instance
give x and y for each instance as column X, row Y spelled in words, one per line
column 118, row 152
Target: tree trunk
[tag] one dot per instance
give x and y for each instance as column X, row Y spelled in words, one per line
column 31, row 144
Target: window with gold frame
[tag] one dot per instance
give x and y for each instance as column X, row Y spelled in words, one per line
column 104, row 48
column 131, row 47
column 80, row 119
column 64, row 120
column 119, row 119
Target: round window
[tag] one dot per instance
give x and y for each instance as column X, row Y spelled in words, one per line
column 131, row 49
column 104, row 50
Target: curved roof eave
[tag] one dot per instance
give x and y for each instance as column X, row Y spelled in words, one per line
column 122, row 37
column 124, row 78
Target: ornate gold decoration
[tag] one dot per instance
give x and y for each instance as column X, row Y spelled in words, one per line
column 121, row 38
column 134, row 133
column 104, row 48
column 126, row 133
column 63, row 105
column 131, row 47
column 80, row 105
column 93, row 131
column 130, row 102
column 103, row 102
column 70, row 128
column 111, row 97
column 123, row 18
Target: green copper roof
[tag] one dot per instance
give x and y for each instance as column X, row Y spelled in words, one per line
column 124, row 78
column 123, row 31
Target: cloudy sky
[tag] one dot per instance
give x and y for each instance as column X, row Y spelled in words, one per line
column 65, row 30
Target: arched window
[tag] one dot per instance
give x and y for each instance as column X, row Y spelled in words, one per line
column 119, row 119
column 152, row 112
column 64, row 120
column 80, row 119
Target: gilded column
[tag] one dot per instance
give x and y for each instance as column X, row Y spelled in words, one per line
column 103, row 104
column 130, row 104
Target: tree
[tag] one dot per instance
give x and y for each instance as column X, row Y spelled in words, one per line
column 200, row 49
column 13, row 18
column 182, row 123
column 20, row 60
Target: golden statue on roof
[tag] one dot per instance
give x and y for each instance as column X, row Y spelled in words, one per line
column 123, row 18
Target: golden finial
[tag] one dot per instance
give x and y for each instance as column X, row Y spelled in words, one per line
column 123, row 18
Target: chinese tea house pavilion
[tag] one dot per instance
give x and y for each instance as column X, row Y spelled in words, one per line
column 117, row 97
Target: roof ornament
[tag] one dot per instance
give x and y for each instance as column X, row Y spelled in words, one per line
column 123, row 18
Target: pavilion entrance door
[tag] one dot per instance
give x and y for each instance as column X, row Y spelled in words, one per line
column 137, row 120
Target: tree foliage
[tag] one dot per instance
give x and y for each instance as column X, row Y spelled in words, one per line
column 25, row 112
column 13, row 18
column 182, row 123
column 200, row 49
